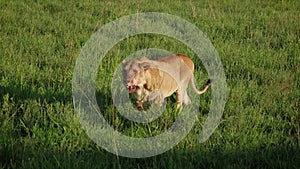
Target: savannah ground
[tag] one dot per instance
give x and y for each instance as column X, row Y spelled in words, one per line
column 257, row 41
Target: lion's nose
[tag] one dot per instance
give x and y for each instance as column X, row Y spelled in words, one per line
column 131, row 87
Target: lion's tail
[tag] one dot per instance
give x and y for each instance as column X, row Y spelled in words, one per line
column 208, row 83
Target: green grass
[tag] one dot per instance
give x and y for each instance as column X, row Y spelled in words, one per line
column 258, row 43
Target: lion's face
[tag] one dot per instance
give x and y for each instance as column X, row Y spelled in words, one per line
column 130, row 70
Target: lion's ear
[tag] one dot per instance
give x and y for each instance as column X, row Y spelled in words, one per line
column 143, row 58
column 124, row 61
column 145, row 65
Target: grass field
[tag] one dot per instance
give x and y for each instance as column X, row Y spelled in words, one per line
column 257, row 41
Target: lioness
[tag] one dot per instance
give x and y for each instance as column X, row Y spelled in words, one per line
column 157, row 79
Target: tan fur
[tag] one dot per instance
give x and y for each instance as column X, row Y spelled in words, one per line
column 157, row 79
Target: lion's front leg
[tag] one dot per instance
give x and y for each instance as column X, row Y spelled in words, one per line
column 157, row 96
column 142, row 97
column 141, row 105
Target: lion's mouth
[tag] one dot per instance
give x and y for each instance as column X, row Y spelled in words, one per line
column 131, row 89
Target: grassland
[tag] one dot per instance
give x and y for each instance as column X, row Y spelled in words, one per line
column 258, row 43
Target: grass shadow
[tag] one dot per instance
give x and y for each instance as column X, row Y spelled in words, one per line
column 34, row 156
column 24, row 92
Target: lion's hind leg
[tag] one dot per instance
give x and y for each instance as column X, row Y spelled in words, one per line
column 186, row 99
